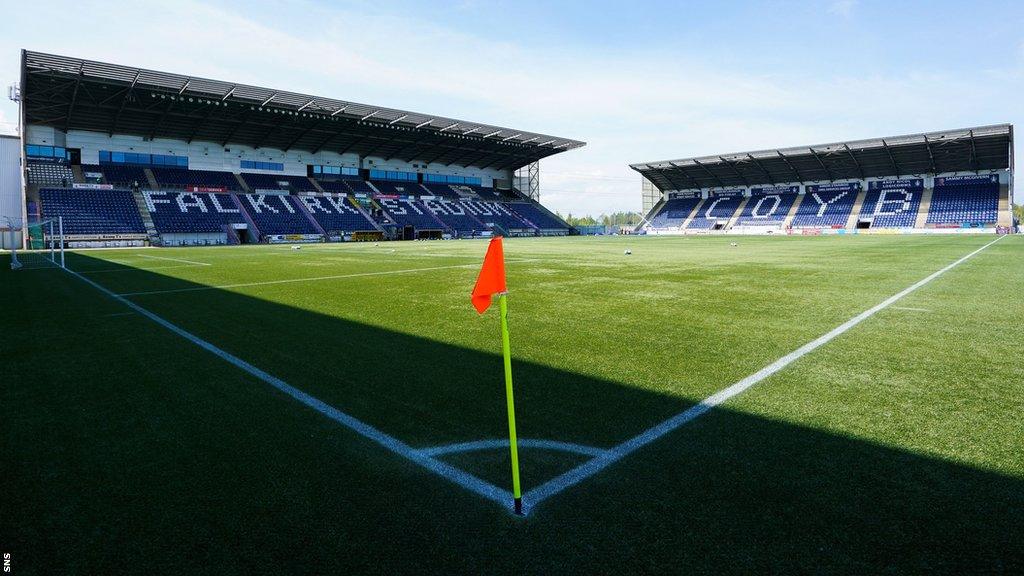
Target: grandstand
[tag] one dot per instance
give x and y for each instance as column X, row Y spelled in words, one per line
column 138, row 157
column 941, row 182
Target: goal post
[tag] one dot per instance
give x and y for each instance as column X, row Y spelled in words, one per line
column 35, row 244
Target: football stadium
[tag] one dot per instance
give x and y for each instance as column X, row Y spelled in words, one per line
column 240, row 339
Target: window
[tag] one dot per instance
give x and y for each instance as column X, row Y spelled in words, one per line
column 445, row 179
column 108, row 157
column 256, row 165
column 39, row 151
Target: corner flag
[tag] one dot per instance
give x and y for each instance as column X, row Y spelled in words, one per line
column 491, row 281
column 492, row 276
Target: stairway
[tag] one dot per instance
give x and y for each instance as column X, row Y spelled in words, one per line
column 315, row 184
column 922, row 210
column 76, row 169
column 736, row 215
column 788, row 221
column 151, row 179
column 241, row 182
column 147, row 219
column 309, row 216
column 367, row 215
column 858, row 204
column 696, row 210
column 1005, row 214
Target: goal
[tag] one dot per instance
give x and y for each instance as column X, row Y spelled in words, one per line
column 35, row 244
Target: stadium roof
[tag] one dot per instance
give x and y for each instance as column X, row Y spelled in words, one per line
column 965, row 150
column 75, row 94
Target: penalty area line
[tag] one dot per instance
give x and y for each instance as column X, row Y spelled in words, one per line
column 173, row 259
column 312, row 279
column 454, row 475
column 584, row 471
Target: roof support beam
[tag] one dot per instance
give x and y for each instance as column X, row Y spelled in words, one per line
column 230, row 136
column 74, row 97
column 931, row 157
column 301, row 135
column 796, row 172
column 124, row 101
column 895, row 167
column 306, row 105
column 860, row 169
column 160, row 120
column 710, row 173
column 974, row 151
column 822, row 164
column 186, row 85
column 767, row 174
column 736, row 170
column 226, row 94
column 681, row 170
column 267, row 101
column 402, row 117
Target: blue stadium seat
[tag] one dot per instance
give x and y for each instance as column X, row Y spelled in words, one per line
column 826, row 206
column 259, row 181
column 714, row 210
column 767, row 208
column 964, row 201
column 276, row 214
column 532, row 214
column 455, row 215
column 892, row 204
column 335, row 214
column 185, row 212
column 409, row 212
column 93, row 212
column 674, row 212
column 120, row 175
column 170, row 178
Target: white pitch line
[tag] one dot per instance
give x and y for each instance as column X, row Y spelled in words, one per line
column 498, row 444
column 129, row 268
column 311, row 279
column 173, row 259
column 616, row 453
column 442, row 469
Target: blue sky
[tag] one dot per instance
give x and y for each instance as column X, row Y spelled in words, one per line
column 637, row 81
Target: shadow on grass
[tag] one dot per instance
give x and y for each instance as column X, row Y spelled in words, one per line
column 138, row 452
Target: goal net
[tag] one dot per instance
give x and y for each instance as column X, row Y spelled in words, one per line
column 38, row 244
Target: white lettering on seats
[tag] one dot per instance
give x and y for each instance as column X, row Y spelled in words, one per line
column 257, row 200
column 823, row 205
column 903, row 203
column 151, row 202
column 216, row 204
column 190, row 200
column 775, row 206
column 340, row 205
column 313, row 204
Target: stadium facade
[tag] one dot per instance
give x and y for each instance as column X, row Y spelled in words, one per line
column 128, row 157
column 954, row 181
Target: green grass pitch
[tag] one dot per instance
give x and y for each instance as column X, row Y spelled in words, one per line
column 897, row 447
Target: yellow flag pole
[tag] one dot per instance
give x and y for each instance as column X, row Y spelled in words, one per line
column 507, row 353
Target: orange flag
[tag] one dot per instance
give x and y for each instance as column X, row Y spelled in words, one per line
column 492, row 276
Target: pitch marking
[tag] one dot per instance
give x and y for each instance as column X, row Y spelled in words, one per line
column 480, row 445
column 312, row 279
column 173, row 259
column 910, row 309
column 537, row 495
column 603, row 458
column 442, row 469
